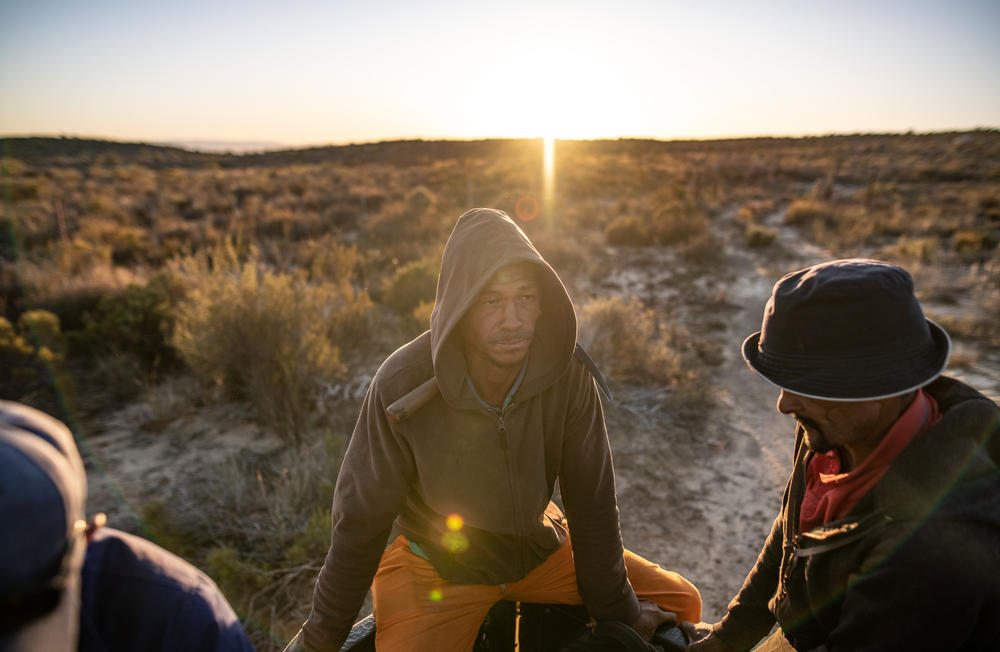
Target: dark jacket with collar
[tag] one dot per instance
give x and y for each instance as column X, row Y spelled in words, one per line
column 915, row 564
column 137, row 596
column 454, row 456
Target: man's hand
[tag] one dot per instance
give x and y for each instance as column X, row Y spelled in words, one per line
column 702, row 639
column 651, row 616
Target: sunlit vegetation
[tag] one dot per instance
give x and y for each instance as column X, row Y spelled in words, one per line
column 279, row 281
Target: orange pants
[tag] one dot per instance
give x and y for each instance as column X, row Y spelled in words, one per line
column 417, row 610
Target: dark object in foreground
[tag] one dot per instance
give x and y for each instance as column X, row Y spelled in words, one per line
column 542, row 628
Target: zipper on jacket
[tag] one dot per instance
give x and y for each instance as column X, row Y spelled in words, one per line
column 511, row 485
column 788, row 548
column 502, row 431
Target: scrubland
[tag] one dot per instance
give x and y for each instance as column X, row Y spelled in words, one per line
column 207, row 324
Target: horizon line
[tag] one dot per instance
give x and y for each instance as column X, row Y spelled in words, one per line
column 223, row 146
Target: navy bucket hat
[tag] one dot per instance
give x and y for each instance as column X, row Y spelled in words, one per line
column 847, row 330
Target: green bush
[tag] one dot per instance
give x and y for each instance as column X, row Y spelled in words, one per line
column 32, row 366
column 312, row 542
column 41, row 327
column 237, row 577
column 136, row 321
column 159, row 525
column 260, row 334
column 16, row 351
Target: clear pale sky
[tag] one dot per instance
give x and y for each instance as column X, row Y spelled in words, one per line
column 297, row 72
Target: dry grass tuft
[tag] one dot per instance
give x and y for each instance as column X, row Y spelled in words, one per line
column 262, row 335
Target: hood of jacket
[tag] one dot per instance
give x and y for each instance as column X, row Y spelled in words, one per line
column 483, row 241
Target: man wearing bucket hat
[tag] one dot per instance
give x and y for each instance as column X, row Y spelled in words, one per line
column 889, row 532
column 66, row 585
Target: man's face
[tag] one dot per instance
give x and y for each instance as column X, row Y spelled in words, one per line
column 500, row 323
column 836, row 424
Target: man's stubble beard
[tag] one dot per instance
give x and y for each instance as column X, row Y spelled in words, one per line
column 816, row 441
column 500, row 364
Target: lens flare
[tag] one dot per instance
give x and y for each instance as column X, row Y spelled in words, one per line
column 455, row 522
column 435, row 595
column 526, row 208
column 455, row 542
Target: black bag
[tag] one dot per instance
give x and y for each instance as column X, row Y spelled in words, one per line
column 614, row 636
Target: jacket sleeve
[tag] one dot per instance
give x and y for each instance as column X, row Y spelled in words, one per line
column 587, row 484
column 371, row 489
column 748, row 618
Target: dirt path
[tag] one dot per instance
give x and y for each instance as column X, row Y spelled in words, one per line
column 700, row 498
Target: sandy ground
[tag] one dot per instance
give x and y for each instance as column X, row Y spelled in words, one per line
column 696, row 495
column 699, row 497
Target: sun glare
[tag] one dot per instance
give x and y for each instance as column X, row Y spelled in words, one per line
column 549, row 176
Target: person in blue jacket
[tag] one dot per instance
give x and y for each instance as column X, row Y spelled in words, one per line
column 69, row 585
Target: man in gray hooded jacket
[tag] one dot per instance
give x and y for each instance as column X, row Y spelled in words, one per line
column 461, row 438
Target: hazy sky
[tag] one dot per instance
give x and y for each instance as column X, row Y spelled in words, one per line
column 297, row 72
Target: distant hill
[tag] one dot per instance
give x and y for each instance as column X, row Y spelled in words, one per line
column 77, row 152
column 82, row 151
column 225, row 146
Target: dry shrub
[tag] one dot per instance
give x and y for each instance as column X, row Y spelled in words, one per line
column 71, row 293
column 79, row 256
column 975, row 241
column 626, row 230
column 570, row 251
column 329, row 260
column 758, row 237
column 627, row 340
column 678, row 224
column 702, row 248
column 983, row 322
column 624, row 338
column 413, row 283
column 422, row 314
column 260, row 334
column 265, row 561
column 910, row 250
column 751, row 211
column 806, row 211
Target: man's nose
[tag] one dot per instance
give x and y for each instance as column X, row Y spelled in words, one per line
column 789, row 403
column 511, row 315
